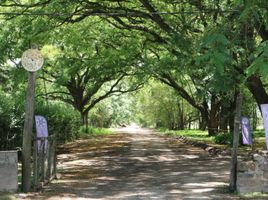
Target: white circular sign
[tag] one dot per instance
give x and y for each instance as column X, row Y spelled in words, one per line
column 32, row 60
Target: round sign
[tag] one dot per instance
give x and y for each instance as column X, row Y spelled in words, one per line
column 32, row 60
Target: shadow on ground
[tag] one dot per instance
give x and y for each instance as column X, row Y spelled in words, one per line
column 137, row 164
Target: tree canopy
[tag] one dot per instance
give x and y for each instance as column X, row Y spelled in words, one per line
column 204, row 52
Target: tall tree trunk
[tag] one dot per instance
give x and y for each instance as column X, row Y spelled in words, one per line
column 224, row 123
column 231, row 123
column 227, row 115
column 203, row 123
column 224, row 118
column 180, row 116
column 213, row 123
column 84, row 119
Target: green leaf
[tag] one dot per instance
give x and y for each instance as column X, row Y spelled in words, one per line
column 259, row 66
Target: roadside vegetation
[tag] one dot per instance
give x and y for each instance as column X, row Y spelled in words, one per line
column 222, row 139
column 91, row 131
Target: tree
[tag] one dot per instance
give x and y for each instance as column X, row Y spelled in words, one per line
column 190, row 35
column 157, row 105
column 88, row 68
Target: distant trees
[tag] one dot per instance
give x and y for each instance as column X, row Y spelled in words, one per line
column 157, row 105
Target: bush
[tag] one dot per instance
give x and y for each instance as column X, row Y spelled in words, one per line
column 62, row 120
column 11, row 123
column 92, row 131
column 224, row 138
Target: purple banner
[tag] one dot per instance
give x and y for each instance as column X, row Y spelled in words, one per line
column 246, row 131
column 41, row 130
column 264, row 110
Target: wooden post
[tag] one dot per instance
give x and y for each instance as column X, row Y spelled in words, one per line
column 35, row 165
column 55, row 156
column 50, row 158
column 42, row 159
column 233, row 174
column 27, row 134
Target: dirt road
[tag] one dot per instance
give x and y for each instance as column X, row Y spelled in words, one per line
column 137, row 164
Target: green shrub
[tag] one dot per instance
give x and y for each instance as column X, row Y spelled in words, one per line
column 92, row 131
column 224, row 138
column 83, row 130
column 258, row 133
column 11, row 123
column 62, row 120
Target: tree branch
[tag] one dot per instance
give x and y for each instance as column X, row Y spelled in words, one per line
column 167, row 79
column 156, row 17
column 107, row 94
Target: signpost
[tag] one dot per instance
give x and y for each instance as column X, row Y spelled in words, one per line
column 32, row 61
column 233, row 174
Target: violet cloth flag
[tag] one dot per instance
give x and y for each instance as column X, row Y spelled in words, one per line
column 264, row 110
column 246, row 131
column 41, row 130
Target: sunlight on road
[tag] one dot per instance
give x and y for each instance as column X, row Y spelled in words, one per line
column 132, row 128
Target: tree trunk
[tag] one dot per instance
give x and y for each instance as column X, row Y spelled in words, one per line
column 203, row 123
column 231, row 123
column 257, row 89
column 181, row 117
column 213, row 123
column 225, row 115
column 213, row 127
column 84, row 119
column 224, row 118
column 224, row 123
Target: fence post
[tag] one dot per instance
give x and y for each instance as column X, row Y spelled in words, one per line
column 50, row 143
column 55, row 156
column 35, row 165
column 42, row 159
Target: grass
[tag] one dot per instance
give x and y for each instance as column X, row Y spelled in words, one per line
column 202, row 136
column 254, row 195
column 259, row 133
column 192, row 134
column 259, row 139
column 93, row 131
